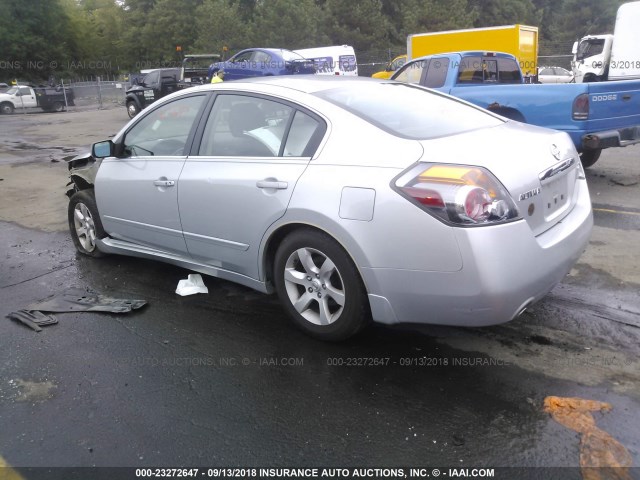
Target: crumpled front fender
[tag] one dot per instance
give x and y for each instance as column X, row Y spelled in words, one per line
column 82, row 172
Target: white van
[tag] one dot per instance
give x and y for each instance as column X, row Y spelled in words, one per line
column 625, row 52
column 334, row 60
column 610, row 57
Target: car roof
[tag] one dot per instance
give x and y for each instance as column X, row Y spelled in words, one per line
column 303, row 83
column 266, row 49
column 482, row 53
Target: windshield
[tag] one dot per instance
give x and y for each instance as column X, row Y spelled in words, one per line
column 408, row 111
column 589, row 48
column 288, row 56
column 12, row 91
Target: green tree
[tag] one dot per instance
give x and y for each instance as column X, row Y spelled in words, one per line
column 419, row 16
column 586, row 17
column 107, row 22
column 359, row 23
column 493, row 13
column 33, row 38
column 219, row 24
column 289, row 24
column 170, row 24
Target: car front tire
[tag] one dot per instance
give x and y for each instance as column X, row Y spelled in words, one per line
column 319, row 286
column 132, row 109
column 84, row 223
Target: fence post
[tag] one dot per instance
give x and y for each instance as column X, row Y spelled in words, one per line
column 64, row 92
column 99, row 94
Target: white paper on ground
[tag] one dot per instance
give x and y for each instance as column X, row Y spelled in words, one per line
column 191, row 285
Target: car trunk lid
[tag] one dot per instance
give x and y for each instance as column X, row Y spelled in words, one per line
column 538, row 167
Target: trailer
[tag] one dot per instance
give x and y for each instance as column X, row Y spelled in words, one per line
column 520, row 41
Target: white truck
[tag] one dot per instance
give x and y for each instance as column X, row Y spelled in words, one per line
column 611, row 57
column 22, row 97
column 333, row 60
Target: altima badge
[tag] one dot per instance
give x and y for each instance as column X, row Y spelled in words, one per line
column 529, row 194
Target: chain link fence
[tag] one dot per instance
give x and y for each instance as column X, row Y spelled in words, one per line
column 97, row 93
column 110, row 91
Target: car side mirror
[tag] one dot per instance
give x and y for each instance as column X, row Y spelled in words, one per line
column 103, row 149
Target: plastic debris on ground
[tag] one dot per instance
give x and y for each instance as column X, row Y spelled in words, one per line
column 73, row 300
column 191, row 285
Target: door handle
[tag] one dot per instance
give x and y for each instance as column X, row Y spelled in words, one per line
column 164, row 183
column 272, row 184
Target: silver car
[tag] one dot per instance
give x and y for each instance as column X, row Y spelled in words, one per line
column 354, row 199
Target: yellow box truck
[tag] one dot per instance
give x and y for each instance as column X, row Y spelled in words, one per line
column 518, row 40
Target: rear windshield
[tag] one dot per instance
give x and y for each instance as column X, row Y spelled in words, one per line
column 408, row 111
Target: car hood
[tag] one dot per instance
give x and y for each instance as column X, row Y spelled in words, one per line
column 539, row 167
column 138, row 88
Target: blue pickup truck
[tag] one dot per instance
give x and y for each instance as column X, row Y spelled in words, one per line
column 595, row 115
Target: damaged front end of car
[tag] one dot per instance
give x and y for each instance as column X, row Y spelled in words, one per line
column 82, row 173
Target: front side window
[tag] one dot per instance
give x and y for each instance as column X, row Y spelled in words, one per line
column 437, row 73
column 245, row 126
column 397, row 63
column 164, row 131
column 589, row 48
column 243, row 57
column 412, row 72
column 152, row 78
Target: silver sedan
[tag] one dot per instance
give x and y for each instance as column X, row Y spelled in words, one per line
column 354, row 199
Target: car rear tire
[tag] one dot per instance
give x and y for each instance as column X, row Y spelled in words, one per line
column 6, row 108
column 319, row 286
column 84, row 223
column 58, row 107
column 132, row 109
column 589, row 157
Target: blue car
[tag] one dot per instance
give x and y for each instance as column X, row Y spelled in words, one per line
column 260, row 62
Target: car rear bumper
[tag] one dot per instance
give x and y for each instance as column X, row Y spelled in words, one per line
column 621, row 137
column 505, row 269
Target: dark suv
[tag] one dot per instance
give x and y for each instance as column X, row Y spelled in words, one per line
column 154, row 85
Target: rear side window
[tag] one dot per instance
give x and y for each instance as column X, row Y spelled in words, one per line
column 247, row 126
column 304, row 136
column 509, row 71
column 409, row 111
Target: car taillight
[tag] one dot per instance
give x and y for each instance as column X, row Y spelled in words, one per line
column 580, row 108
column 456, row 194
